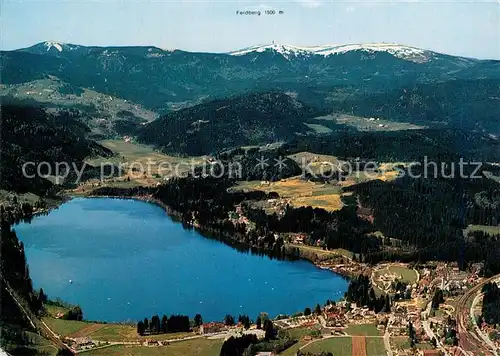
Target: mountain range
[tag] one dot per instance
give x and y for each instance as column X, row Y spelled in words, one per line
column 166, row 80
column 262, row 94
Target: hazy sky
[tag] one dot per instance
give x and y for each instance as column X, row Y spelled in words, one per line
column 457, row 27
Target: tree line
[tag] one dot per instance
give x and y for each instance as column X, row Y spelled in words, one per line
column 172, row 324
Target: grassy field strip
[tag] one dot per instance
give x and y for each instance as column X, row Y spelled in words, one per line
column 339, row 345
column 363, row 330
column 329, row 202
column 193, row 347
column 324, row 253
column 369, row 124
column 104, row 332
column 375, row 347
column 65, row 327
column 492, row 230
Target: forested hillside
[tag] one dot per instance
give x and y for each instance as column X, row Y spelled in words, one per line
column 464, row 104
column 396, row 146
column 14, row 269
column 165, row 80
column 430, row 213
column 30, row 134
column 253, row 119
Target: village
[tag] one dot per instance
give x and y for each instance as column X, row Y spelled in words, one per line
column 417, row 324
column 414, row 326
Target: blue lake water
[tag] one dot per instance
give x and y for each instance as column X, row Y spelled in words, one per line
column 127, row 260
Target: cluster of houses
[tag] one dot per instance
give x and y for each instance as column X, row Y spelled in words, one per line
column 154, row 343
column 346, row 268
column 83, row 343
column 212, row 328
column 449, row 278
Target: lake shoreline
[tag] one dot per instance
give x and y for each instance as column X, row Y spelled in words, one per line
column 175, row 218
column 291, row 252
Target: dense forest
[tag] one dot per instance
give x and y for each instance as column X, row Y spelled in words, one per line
column 491, row 304
column 251, row 164
column 160, row 79
column 452, row 131
column 396, row 146
column 454, row 104
column 431, row 214
column 15, row 271
column 420, row 219
column 253, row 119
column 30, row 134
column 361, row 292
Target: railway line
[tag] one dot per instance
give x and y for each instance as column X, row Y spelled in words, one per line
column 35, row 323
column 469, row 342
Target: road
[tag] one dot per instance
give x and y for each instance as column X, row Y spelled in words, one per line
column 387, row 337
column 430, row 333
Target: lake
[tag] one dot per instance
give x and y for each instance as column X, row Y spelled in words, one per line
column 127, row 259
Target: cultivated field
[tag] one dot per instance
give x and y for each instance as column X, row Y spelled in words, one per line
column 319, row 129
column 323, row 254
column 337, row 345
column 298, row 192
column 358, row 346
column 363, row 330
column 330, row 202
column 299, row 334
column 291, row 187
column 104, row 332
column 375, row 346
column 402, row 343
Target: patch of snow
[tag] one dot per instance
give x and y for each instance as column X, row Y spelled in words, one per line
column 285, row 50
column 56, row 45
column 400, row 51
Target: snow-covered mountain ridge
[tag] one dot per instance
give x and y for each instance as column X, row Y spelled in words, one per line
column 400, row 51
column 289, row 52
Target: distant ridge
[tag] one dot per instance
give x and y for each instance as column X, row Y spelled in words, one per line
column 400, row 51
column 288, row 51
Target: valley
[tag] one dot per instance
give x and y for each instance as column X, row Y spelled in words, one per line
column 271, row 199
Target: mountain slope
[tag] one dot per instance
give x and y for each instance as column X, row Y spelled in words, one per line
column 105, row 115
column 400, row 51
column 167, row 80
column 461, row 104
column 253, row 119
column 29, row 134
